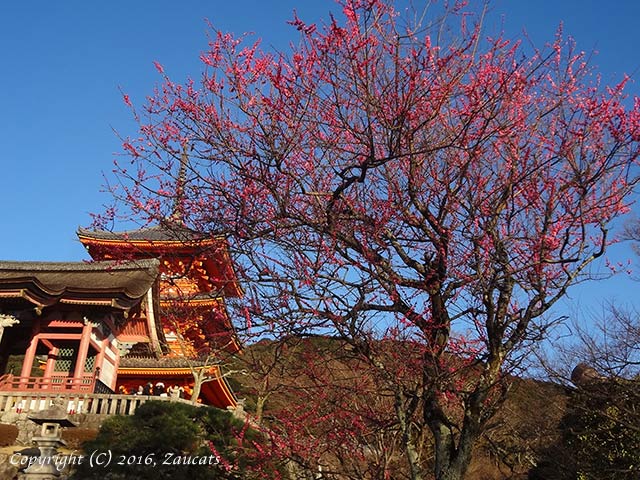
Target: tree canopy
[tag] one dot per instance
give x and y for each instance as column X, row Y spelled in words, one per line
column 417, row 189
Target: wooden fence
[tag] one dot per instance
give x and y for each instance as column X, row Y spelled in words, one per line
column 74, row 403
column 84, row 384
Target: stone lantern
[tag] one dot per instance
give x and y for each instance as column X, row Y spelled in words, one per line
column 51, row 420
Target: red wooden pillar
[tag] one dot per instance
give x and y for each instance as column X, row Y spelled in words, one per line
column 30, row 354
column 51, row 362
column 104, row 344
column 83, row 349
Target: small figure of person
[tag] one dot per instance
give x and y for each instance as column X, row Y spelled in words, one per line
column 158, row 390
column 148, row 389
column 174, row 392
column 140, row 390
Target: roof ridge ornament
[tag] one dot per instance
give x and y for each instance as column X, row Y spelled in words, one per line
column 6, row 321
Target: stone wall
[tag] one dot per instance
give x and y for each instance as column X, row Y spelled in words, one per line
column 7, row 471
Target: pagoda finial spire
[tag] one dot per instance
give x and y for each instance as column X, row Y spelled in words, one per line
column 177, row 214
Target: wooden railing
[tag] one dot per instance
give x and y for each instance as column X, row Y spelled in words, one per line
column 74, row 403
column 84, row 384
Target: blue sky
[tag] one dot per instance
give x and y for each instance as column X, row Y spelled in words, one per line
column 63, row 64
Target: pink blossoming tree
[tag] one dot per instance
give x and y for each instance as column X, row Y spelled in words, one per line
column 419, row 192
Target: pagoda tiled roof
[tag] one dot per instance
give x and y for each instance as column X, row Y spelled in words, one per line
column 163, row 362
column 117, row 284
column 169, row 240
column 167, row 232
column 215, row 392
column 215, row 296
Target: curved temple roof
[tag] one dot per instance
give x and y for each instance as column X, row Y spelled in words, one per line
column 168, row 240
column 216, row 390
column 116, row 284
column 168, row 232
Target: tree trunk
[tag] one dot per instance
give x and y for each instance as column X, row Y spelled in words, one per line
column 407, row 440
column 452, row 460
column 197, row 386
column 260, row 401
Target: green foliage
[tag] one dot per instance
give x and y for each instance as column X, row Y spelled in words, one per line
column 14, row 365
column 168, row 440
column 603, row 430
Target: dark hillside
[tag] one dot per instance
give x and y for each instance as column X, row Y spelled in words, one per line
column 356, row 414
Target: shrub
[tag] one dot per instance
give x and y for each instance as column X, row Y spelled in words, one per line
column 603, row 429
column 168, row 440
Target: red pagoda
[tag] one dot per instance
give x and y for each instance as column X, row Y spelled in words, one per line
column 196, row 275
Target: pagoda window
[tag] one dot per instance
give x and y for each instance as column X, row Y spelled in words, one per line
column 66, row 359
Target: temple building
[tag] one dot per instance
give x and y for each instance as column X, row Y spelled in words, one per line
column 66, row 319
column 149, row 309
